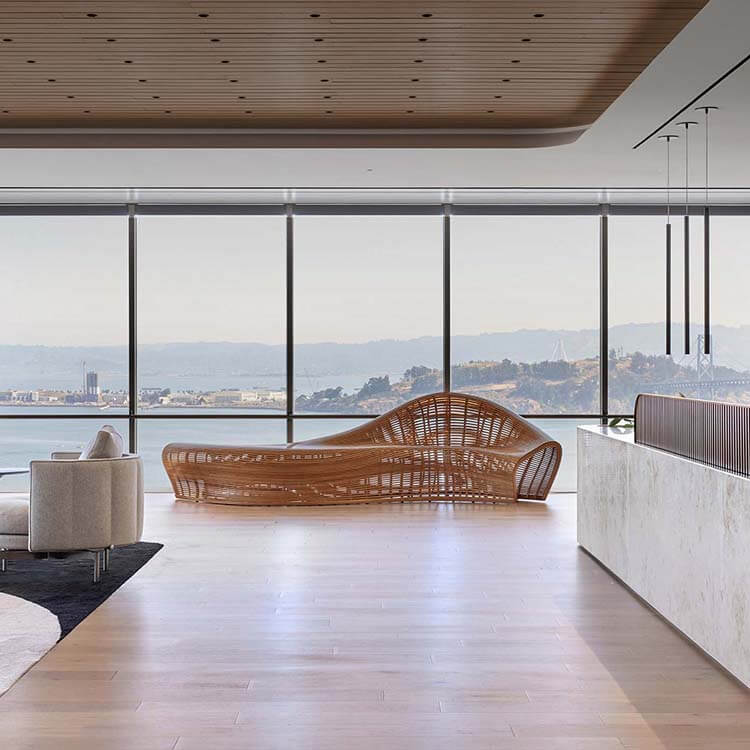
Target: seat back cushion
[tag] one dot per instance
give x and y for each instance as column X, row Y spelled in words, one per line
column 107, row 443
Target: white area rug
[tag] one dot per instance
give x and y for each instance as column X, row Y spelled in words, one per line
column 27, row 632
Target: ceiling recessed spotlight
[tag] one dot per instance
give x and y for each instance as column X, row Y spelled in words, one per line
column 423, row 39
column 418, row 61
column 92, row 15
column 497, row 96
column 156, row 97
column 411, row 96
column 167, row 111
column 7, row 39
column 329, row 111
column 128, row 62
column 31, row 61
column 314, row 15
column 225, row 62
column 86, row 111
column 526, row 39
column 409, row 111
column 51, row 80
column 6, row 111
column 321, row 61
column 232, row 80
column 111, row 40
column 248, row 111
column 70, row 96
column 324, row 80
column 538, row 15
column 415, row 80
column 426, row 15
column 141, row 80
column 327, row 96
column 318, row 38
column 203, row 15
column 240, row 97
column 490, row 111
column 515, row 61
column 506, row 80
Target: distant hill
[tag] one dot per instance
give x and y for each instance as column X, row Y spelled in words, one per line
column 20, row 365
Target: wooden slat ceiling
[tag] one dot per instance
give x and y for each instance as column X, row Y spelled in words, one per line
column 332, row 65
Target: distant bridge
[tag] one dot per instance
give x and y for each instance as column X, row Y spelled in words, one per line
column 701, row 385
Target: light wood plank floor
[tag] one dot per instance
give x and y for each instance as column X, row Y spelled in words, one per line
column 397, row 627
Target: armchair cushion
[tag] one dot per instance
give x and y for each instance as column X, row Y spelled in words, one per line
column 107, row 443
column 14, row 521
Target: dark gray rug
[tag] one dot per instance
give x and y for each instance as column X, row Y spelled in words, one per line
column 65, row 587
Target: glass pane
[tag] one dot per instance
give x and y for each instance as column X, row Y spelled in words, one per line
column 525, row 315
column 637, row 309
column 725, row 373
column 565, row 432
column 64, row 313
column 154, row 434
column 368, row 310
column 22, row 440
column 309, row 429
column 211, row 315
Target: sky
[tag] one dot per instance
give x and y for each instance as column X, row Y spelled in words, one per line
column 209, row 278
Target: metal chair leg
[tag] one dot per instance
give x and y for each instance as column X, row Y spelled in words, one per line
column 106, row 560
column 3, row 565
column 97, row 565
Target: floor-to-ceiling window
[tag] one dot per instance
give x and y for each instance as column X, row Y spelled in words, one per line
column 63, row 332
column 351, row 300
column 525, row 316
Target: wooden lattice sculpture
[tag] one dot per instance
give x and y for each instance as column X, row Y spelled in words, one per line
column 444, row 446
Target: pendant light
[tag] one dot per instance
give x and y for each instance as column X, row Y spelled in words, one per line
column 706, row 245
column 686, row 262
column 668, row 257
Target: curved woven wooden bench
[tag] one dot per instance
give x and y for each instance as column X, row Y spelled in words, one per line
column 445, row 446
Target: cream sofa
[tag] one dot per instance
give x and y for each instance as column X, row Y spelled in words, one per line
column 74, row 505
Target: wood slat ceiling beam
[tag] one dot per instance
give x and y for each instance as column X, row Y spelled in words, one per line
column 235, row 65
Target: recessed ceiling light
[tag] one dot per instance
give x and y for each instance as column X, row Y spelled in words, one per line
column 506, row 80
column 329, row 111
column 526, row 39
column 426, row 15
column 232, row 80
column 86, row 111
column 225, row 62
column 418, row 61
column 167, row 111
column 70, row 96
column 497, row 96
column 515, row 61
column 490, row 111
column 31, row 61
column 415, row 80
column 240, row 97
column 141, row 80
column 409, row 111
column 327, row 96
column 314, row 15
column 51, row 80
column 7, row 39
column 203, row 15
column 538, row 15
column 248, row 111
column 324, row 80
column 423, row 39
column 128, row 62
column 411, row 96
column 111, row 40
column 92, row 15
column 6, row 111
column 156, row 97
column 319, row 39
column 321, row 61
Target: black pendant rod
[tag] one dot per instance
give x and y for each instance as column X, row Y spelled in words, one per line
column 668, row 291
column 706, row 246
column 686, row 124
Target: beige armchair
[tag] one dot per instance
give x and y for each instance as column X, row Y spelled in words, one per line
column 74, row 505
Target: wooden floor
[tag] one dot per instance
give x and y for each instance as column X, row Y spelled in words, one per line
column 393, row 627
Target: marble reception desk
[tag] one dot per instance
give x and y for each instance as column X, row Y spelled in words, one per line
column 676, row 531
